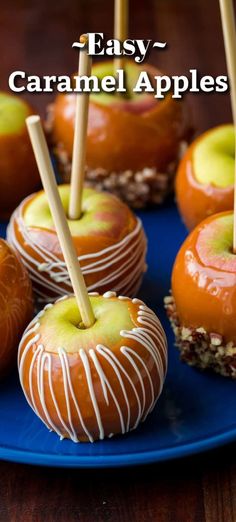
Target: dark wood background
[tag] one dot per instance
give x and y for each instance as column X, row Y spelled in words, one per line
column 36, row 36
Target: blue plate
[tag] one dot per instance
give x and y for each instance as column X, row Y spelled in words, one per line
column 196, row 411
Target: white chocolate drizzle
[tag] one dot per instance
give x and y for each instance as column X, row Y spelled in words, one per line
column 130, row 366
column 51, row 274
column 108, row 295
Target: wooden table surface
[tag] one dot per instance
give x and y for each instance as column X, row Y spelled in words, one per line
column 36, row 36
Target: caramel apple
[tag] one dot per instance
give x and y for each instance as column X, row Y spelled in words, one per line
column 87, row 384
column 134, row 141
column 205, row 177
column 18, row 171
column 109, row 239
column 16, row 305
column 202, row 307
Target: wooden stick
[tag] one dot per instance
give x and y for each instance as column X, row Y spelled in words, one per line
column 120, row 28
column 229, row 33
column 80, row 136
column 50, row 186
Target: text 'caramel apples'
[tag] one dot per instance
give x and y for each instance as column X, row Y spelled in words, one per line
column 134, row 141
column 16, row 305
column 205, row 177
column 109, row 239
column 202, row 307
column 18, row 171
column 87, row 384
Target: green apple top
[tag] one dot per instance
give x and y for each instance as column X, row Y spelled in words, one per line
column 13, row 112
column 61, row 324
column 104, row 217
column 213, row 157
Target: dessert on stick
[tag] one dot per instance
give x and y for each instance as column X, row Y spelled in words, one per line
column 16, row 305
column 18, row 170
column 134, row 141
column 110, row 243
column 109, row 239
column 202, row 306
column 205, row 176
column 91, row 366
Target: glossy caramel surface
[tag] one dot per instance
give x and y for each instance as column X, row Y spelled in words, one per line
column 16, row 305
column 18, row 170
column 204, row 280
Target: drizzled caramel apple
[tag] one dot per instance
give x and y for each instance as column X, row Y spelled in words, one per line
column 205, row 177
column 18, row 171
column 16, row 305
column 109, row 239
column 87, row 384
column 202, row 306
column 133, row 142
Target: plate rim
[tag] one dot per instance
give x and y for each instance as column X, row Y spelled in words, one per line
column 118, row 460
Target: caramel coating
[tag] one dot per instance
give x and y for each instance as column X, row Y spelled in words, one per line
column 18, row 170
column 119, row 139
column 110, row 260
column 16, row 304
column 100, row 388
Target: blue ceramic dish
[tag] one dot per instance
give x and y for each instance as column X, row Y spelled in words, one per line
column 196, row 411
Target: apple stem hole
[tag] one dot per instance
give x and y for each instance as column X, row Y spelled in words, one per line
column 76, row 219
column 81, row 326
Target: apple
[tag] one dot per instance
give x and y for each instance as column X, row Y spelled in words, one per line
column 109, row 240
column 205, row 177
column 202, row 306
column 18, row 171
column 133, row 141
column 16, row 305
column 204, row 278
column 89, row 383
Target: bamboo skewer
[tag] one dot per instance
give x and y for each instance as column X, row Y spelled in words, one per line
column 120, row 28
column 229, row 34
column 50, row 186
column 80, row 136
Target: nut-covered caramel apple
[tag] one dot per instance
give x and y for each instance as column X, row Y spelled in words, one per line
column 18, row 171
column 134, row 141
column 205, row 177
column 202, row 307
